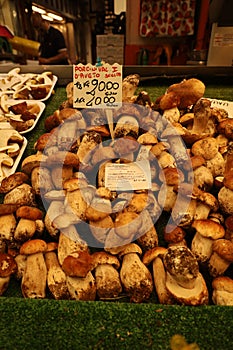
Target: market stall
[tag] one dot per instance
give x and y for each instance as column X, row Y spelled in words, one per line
column 119, row 323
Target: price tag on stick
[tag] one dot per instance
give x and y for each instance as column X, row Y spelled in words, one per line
column 97, row 86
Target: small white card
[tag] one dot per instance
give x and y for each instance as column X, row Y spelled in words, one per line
column 97, row 86
column 227, row 105
column 129, row 176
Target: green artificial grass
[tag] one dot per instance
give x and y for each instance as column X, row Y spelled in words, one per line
column 49, row 324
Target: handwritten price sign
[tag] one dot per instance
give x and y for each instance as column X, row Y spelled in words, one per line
column 97, row 86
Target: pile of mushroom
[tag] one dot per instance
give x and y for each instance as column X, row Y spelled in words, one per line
column 88, row 241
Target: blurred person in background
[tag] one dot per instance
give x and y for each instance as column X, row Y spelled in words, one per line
column 52, row 49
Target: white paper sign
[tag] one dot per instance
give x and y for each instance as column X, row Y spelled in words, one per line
column 227, row 105
column 128, row 177
column 97, row 86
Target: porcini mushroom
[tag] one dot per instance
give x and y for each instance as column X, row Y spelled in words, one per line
column 183, row 280
column 154, row 256
column 206, row 232
column 222, row 291
column 221, row 257
column 33, row 284
column 135, row 277
column 108, row 283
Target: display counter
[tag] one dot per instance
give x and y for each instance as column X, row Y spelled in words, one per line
column 49, row 324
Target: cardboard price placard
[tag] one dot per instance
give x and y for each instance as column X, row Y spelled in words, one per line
column 97, row 86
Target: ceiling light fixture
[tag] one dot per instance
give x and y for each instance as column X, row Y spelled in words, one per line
column 38, row 9
column 47, row 18
column 58, row 18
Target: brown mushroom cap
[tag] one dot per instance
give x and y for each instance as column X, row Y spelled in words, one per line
column 33, row 161
column 206, row 147
column 173, row 176
column 228, row 180
column 130, row 248
column 224, row 248
column 33, row 246
column 180, row 262
column 209, row 228
column 101, row 258
column 30, row 213
column 63, row 158
column 8, row 265
column 174, row 234
column 78, row 266
column 152, row 254
column 223, row 283
column 51, row 246
column 12, row 181
column 6, row 209
column 45, row 140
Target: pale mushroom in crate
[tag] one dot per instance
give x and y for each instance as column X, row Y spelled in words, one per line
column 135, row 277
column 7, row 161
column 183, row 280
column 221, row 257
column 222, row 291
column 206, row 232
column 108, row 283
column 34, row 280
column 154, row 256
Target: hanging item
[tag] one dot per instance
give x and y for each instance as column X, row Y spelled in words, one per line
column 167, row 18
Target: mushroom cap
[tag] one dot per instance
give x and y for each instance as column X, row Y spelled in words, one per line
column 223, row 283
column 74, row 183
column 130, row 248
column 30, row 213
column 51, row 246
column 229, row 223
column 32, row 161
column 224, row 248
column 206, row 147
column 152, row 254
column 174, row 234
column 8, row 265
column 33, row 246
column 63, row 158
column 45, row 140
column 79, row 265
column 180, row 262
column 228, row 180
column 173, row 176
column 100, row 129
column 209, row 228
column 12, row 181
column 6, row 209
column 101, row 258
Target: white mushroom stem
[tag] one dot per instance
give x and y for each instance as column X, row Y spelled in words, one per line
column 136, row 278
column 34, row 279
column 56, row 278
column 107, row 281
column 217, row 265
column 201, row 247
column 82, row 288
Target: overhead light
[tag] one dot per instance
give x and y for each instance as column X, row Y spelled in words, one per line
column 58, row 18
column 38, row 9
column 47, row 18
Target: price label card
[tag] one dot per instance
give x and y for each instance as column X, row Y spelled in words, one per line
column 227, row 105
column 97, row 86
column 128, row 177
